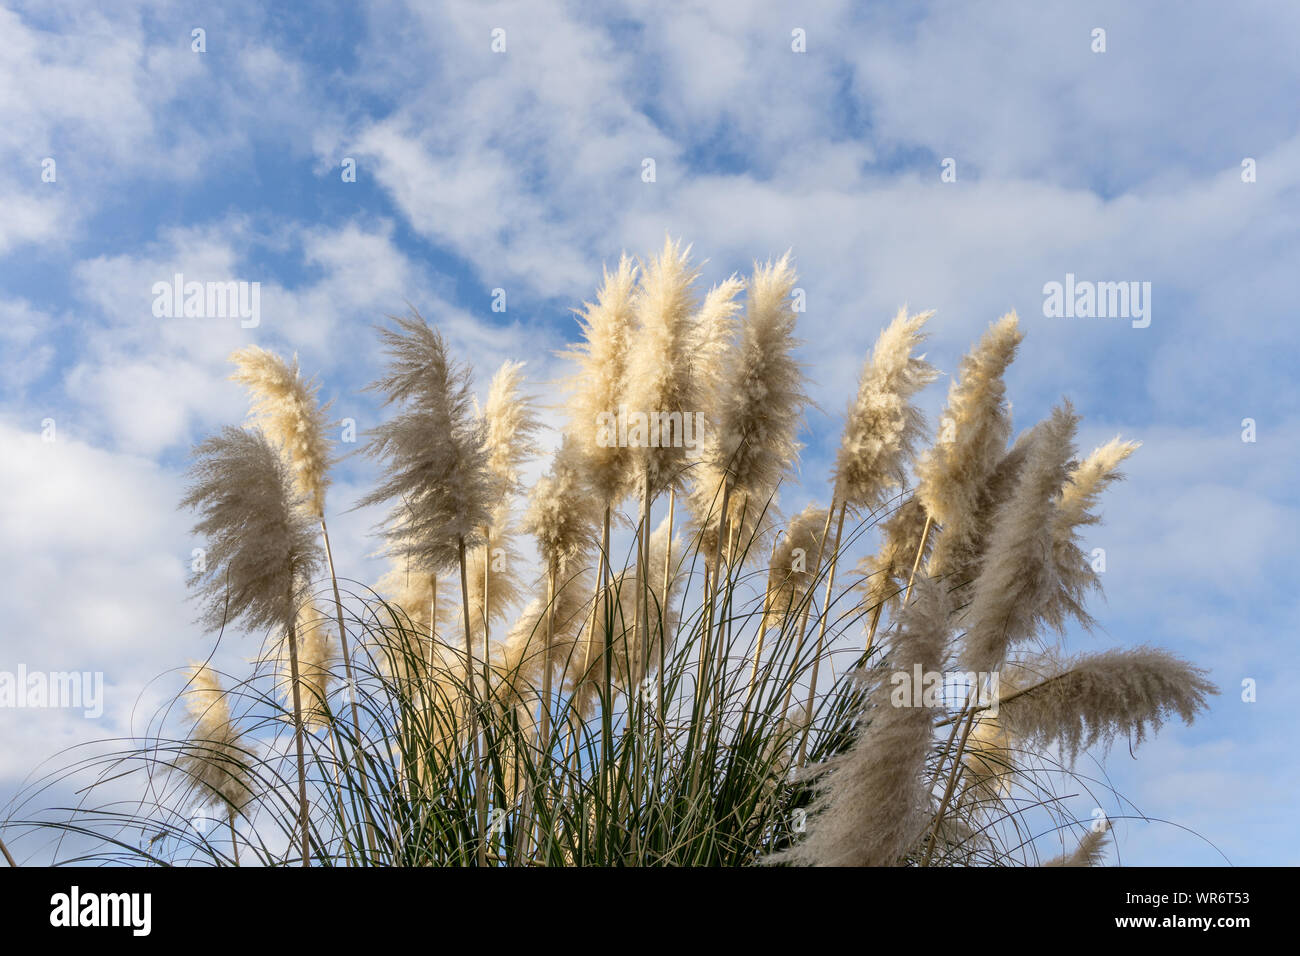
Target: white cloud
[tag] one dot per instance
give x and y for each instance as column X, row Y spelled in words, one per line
column 522, row 170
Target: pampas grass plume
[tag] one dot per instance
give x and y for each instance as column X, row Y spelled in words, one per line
column 973, row 433
column 1018, row 579
column 873, row 800
column 883, row 425
column 216, row 759
column 1089, row 851
column 434, row 450
column 659, row 379
column 260, row 541
column 287, row 409
column 600, row 383
column 1095, row 698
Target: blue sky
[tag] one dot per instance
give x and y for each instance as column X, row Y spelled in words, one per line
column 521, row 170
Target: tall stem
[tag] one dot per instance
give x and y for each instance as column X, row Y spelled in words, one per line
column 643, row 576
column 601, row 567
column 298, row 743
column 487, row 573
column 234, row 842
column 544, row 736
column 602, row 589
column 644, row 573
column 920, row 550
column 352, row 683
column 433, row 621
column 948, row 791
column 875, row 613
column 803, row 618
column 659, row 715
column 821, row 633
column 758, row 648
column 703, row 689
column 723, row 647
column 480, row 794
column 706, row 646
column 762, row 621
column 607, row 699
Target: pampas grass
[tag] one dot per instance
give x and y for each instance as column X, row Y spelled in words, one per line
column 659, row 369
column 599, row 383
column 1017, row 576
column 437, row 477
column 872, row 800
column 656, row 699
column 434, row 450
column 260, row 547
column 952, row 477
column 1093, row 698
column 758, row 399
column 883, row 424
column 216, row 757
column 217, row 760
column 287, row 409
column 1088, row 853
column 260, row 543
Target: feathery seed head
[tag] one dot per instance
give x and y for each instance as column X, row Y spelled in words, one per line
column 713, row 332
column 1089, row 852
column 260, row 540
column 628, row 647
column 1017, row 580
column 886, row 573
column 287, row 409
column 522, row 656
column 600, row 384
column 511, row 427
column 1097, row 697
column 972, row 438
column 563, row 514
column 873, row 800
column 436, row 477
column 216, row 757
column 883, row 426
column 753, row 443
column 791, row 569
column 659, row 374
column 1088, row 481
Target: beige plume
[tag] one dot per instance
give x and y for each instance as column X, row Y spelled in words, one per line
column 433, row 450
column 599, row 385
column 1088, row 853
column 260, row 541
column 973, row 433
column 873, row 801
column 287, row 409
column 216, row 757
column 1017, row 578
column 659, row 379
column 882, row 425
column 1095, row 698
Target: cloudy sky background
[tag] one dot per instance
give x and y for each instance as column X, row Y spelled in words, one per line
column 522, row 171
